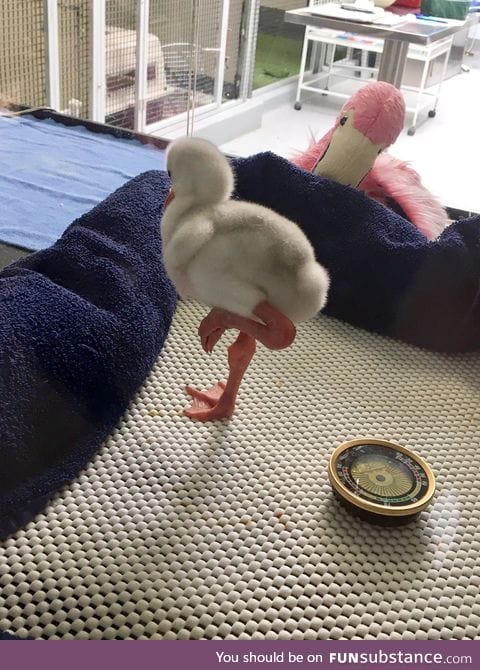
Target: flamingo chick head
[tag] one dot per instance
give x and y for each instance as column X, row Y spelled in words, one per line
column 199, row 172
column 369, row 122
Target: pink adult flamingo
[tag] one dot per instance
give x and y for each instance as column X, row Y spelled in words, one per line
column 353, row 153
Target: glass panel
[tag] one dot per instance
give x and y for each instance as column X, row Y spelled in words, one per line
column 120, row 62
column 279, row 44
column 183, row 52
column 22, row 52
column 187, row 37
column 74, row 52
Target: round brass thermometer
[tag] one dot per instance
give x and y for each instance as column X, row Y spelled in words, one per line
column 381, row 481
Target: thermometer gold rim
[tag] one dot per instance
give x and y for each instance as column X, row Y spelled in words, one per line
column 376, row 508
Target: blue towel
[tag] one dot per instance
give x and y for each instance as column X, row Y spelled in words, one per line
column 386, row 277
column 81, row 324
column 60, row 172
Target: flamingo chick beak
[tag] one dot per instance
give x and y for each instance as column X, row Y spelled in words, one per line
column 169, row 198
column 350, row 155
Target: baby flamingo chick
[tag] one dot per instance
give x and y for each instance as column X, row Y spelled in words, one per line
column 254, row 268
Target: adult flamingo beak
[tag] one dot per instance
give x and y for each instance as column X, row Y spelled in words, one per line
column 350, row 155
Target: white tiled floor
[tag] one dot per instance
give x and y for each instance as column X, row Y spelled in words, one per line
column 445, row 150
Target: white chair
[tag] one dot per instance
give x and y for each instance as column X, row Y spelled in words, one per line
column 323, row 43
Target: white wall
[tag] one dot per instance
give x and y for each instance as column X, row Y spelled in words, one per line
column 475, row 32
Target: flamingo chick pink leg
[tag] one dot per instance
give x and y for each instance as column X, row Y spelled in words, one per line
column 276, row 332
column 219, row 401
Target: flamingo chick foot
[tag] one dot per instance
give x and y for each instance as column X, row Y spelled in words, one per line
column 208, row 405
column 219, row 401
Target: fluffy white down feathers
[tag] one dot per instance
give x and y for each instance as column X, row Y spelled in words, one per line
column 233, row 254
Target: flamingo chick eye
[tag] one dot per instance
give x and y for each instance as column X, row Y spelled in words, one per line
column 343, row 120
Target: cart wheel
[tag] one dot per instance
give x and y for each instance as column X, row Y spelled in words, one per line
column 411, row 131
column 432, row 113
column 297, row 106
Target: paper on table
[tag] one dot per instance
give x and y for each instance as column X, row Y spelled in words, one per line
column 379, row 16
column 389, row 19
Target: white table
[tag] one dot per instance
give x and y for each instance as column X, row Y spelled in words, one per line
column 396, row 38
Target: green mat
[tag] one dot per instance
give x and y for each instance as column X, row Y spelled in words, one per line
column 276, row 57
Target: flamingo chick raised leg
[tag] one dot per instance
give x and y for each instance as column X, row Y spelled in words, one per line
column 274, row 330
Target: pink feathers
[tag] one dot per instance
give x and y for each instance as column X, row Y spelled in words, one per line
column 395, row 179
column 377, row 113
column 310, row 157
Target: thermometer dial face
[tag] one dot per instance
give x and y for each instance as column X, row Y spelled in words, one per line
column 380, row 477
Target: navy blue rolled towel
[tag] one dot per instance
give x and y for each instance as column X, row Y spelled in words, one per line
column 81, row 324
column 386, row 277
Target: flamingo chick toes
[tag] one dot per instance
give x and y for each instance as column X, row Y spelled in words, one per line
column 277, row 332
column 254, row 268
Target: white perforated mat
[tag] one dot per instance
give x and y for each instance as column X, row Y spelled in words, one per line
column 185, row 530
